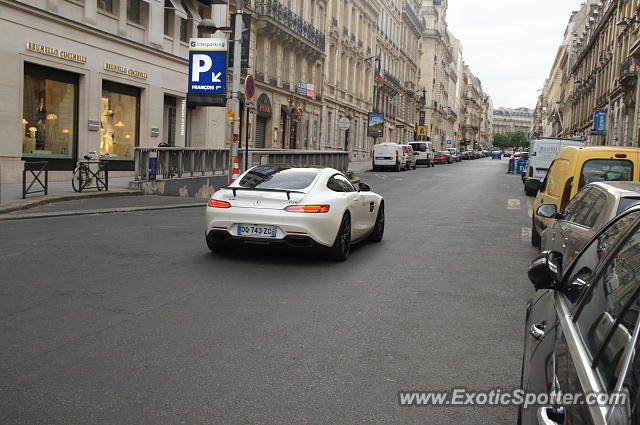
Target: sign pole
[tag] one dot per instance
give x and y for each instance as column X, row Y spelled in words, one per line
column 237, row 70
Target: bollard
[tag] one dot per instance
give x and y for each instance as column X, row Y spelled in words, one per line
column 153, row 165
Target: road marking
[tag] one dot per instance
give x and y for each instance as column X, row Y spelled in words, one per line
column 526, row 234
column 530, row 210
column 513, row 204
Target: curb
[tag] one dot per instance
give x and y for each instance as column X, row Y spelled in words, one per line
column 49, row 199
column 101, row 211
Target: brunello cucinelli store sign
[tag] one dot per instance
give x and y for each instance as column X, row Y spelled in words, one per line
column 52, row 51
column 125, row 71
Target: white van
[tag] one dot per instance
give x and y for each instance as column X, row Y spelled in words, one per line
column 542, row 152
column 424, row 152
column 389, row 155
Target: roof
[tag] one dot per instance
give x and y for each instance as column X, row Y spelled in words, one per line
column 622, row 188
column 617, row 149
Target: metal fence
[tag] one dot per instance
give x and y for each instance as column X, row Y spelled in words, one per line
column 175, row 162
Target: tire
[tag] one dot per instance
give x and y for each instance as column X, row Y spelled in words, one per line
column 80, row 177
column 378, row 229
column 342, row 245
column 536, row 240
column 216, row 246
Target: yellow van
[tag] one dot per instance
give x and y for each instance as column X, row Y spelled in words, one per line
column 572, row 169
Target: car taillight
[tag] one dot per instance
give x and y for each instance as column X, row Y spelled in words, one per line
column 530, row 171
column 308, row 208
column 620, row 155
column 566, row 194
column 396, row 154
column 214, row 203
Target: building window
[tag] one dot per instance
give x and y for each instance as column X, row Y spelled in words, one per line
column 49, row 113
column 168, row 18
column 106, row 5
column 119, row 116
column 133, row 11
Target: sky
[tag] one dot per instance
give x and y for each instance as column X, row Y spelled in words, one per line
column 510, row 44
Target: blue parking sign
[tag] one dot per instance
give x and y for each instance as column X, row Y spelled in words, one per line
column 208, row 65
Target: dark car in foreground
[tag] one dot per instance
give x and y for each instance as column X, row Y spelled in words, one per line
column 581, row 331
column 593, row 207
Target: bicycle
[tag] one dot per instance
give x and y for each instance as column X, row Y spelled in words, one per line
column 84, row 176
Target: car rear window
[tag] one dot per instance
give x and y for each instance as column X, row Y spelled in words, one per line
column 420, row 147
column 626, row 203
column 598, row 170
column 272, row 177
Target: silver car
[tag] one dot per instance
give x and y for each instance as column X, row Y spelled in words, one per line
column 593, row 207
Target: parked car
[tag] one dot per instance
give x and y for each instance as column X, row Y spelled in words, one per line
column 424, row 153
column 454, row 154
column 447, row 157
column 465, row 155
column 440, row 158
column 389, row 156
column 507, row 154
column 410, row 159
column 496, row 155
column 542, row 153
column 593, row 207
column 575, row 167
column 581, row 329
column 298, row 207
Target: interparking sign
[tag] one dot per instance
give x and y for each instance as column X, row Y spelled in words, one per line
column 208, row 65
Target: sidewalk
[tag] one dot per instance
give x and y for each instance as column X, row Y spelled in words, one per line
column 360, row 167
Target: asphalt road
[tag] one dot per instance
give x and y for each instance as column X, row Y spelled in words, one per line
column 128, row 319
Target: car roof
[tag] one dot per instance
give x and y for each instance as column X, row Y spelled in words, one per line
column 606, row 149
column 622, row 188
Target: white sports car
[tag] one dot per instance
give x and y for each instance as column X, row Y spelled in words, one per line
column 299, row 207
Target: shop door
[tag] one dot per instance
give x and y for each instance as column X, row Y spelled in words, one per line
column 261, row 132
column 169, row 134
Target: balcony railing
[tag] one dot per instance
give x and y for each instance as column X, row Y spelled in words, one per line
column 627, row 71
column 389, row 78
column 418, row 22
column 285, row 16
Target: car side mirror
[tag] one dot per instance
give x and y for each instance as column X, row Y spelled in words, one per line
column 363, row 187
column 548, row 211
column 545, row 271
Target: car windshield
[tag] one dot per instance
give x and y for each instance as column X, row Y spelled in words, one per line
column 279, row 177
column 597, row 170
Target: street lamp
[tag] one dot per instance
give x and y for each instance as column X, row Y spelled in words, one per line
column 625, row 22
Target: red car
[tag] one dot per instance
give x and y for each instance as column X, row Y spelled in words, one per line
column 440, row 158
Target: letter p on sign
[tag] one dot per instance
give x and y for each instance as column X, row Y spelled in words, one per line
column 201, row 63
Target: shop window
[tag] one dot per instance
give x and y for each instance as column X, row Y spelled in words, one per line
column 106, row 5
column 133, row 11
column 119, row 116
column 49, row 113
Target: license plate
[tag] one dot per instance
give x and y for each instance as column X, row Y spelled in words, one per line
column 383, row 157
column 257, row 230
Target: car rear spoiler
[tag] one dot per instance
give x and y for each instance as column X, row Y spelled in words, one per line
column 255, row 189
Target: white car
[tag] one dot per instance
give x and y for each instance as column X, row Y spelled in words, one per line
column 298, row 207
column 389, row 155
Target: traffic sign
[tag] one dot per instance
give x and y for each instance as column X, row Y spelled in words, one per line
column 250, row 87
column 449, row 142
column 344, row 124
column 208, row 65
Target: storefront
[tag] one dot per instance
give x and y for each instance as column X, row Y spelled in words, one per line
column 49, row 123
column 75, row 89
column 263, row 116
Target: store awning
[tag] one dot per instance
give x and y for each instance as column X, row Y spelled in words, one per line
column 180, row 12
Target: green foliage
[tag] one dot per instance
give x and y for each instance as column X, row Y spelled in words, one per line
column 515, row 139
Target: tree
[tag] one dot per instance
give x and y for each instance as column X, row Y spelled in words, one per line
column 500, row 141
column 514, row 139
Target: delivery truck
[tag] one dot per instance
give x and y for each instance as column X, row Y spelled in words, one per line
column 541, row 154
